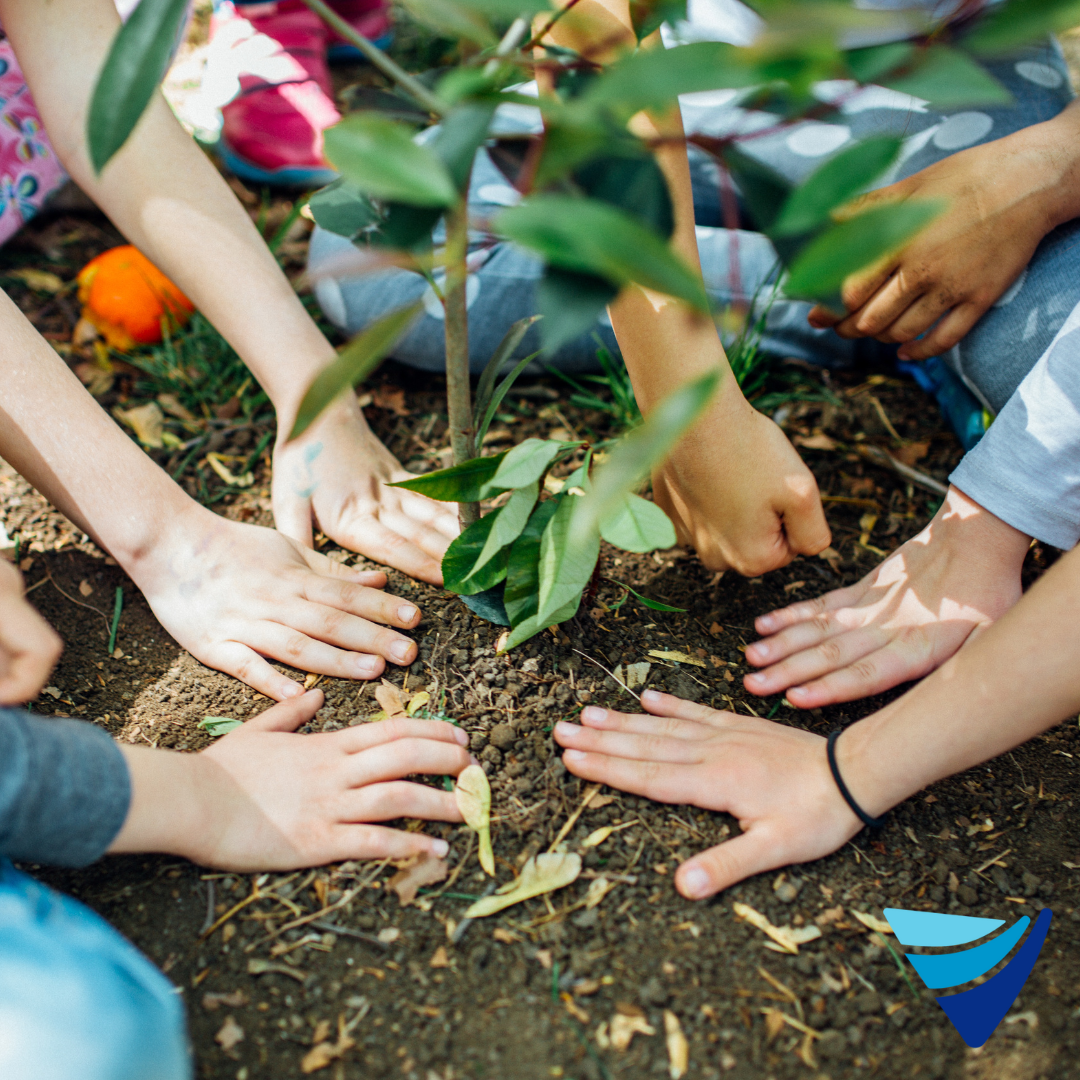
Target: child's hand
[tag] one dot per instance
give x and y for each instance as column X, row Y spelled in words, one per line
column 774, row 779
column 335, row 476
column 264, row 798
column 29, row 646
column 232, row 594
column 738, row 492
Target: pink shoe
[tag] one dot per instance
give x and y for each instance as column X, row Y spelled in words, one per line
column 370, row 17
column 272, row 131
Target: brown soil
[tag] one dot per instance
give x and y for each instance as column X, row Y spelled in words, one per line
column 522, row 994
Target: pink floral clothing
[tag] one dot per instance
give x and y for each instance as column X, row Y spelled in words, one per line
column 29, row 169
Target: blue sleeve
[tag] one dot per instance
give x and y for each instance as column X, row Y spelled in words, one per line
column 64, row 790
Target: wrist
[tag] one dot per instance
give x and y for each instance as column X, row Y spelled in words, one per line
column 1052, row 151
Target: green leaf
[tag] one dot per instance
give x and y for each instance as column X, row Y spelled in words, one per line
column 638, row 525
column 635, row 454
column 522, row 593
column 353, row 364
column 838, row 180
column 633, row 184
column 591, row 237
column 343, row 209
column 500, row 392
column 764, row 190
column 874, row 63
column 510, row 519
column 822, row 267
column 499, row 359
column 506, row 11
column 570, row 304
column 949, row 79
column 1007, row 26
column 525, row 464
column 532, row 626
column 461, row 133
column 219, row 725
column 379, row 156
column 651, row 78
column 465, row 550
column 453, row 20
column 647, row 15
column 462, row 483
column 566, row 561
column 138, row 59
column 406, row 227
column 654, row 604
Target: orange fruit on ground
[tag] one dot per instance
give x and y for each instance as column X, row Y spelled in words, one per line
column 128, row 298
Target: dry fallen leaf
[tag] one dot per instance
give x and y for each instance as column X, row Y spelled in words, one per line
column 322, row 1032
column 597, row 836
column 217, row 463
column 391, row 398
column 623, row 1028
column 820, row 441
column 678, row 657
column 541, row 874
column 389, row 697
column 38, row 280
column 573, row 1008
column 677, row 1047
column 439, row 958
column 871, row 922
column 85, row 588
column 212, row 1001
column 598, row 802
column 788, row 938
column 473, row 796
column 417, row 702
column 318, row 1057
column 230, row 1034
column 507, row 937
column 146, row 421
column 598, row 889
column 171, row 404
column 912, row 453
column 829, row 915
column 422, row 869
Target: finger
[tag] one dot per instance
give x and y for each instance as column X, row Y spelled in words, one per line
column 625, row 744
column 882, row 309
column 660, row 704
column 292, row 646
column 398, row 799
column 918, row 318
column 720, row 867
column 331, row 568
column 384, row 545
column 903, row 659
column 831, row 655
column 437, row 517
column 821, row 318
column 292, row 518
column 364, row 736
column 243, row 663
column 805, row 526
column 379, row 842
column 393, row 760
column 288, row 715
column 774, row 621
column 338, row 628
column 368, row 603
column 652, row 724
column 809, row 634
column 946, row 334
column 655, row 780
column 32, row 649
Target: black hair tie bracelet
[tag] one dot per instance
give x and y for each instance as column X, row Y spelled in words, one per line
column 860, row 813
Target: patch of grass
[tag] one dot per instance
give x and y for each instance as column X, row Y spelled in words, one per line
column 618, row 401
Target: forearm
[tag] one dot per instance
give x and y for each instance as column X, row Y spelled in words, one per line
column 974, row 707
column 1050, row 154
column 167, row 198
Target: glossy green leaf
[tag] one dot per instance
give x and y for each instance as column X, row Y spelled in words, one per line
column 587, row 236
column 138, row 59
column 525, row 464
column 461, row 483
column 765, row 191
column 655, row 605
column 499, row 359
column 647, row 15
column 635, row 454
column 405, row 227
column 532, row 626
column 570, row 304
column 343, row 209
column 215, row 726
column 506, row 11
column 379, row 156
column 453, row 20
column 638, row 525
column 834, row 183
column 353, row 364
column 656, row 77
column 633, row 184
column 462, row 554
column 822, row 267
column 567, row 560
column 1007, row 26
column 522, row 593
column 510, row 519
column 461, row 133
column 950, row 79
column 874, row 63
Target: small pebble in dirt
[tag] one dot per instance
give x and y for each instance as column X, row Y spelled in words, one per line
column 654, row 992
column 786, row 891
column 681, row 685
column 503, row 736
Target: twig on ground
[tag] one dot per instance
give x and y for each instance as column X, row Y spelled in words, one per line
column 572, row 819
column 916, row 476
column 348, row 931
column 611, row 673
column 49, row 577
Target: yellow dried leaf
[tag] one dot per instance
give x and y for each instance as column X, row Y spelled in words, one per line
column 439, row 959
column 325, row 1053
column 623, row 1028
column 871, row 922
column 473, row 796
column 677, row 1047
column 541, row 874
column 774, row 1023
column 417, row 702
column 597, row 836
column 423, row 869
column 217, row 463
column 507, row 937
column 146, row 421
column 38, row 280
column 85, row 588
column 678, row 657
column 788, row 938
column 636, row 674
column 171, row 404
column 322, row 1031
column 574, row 1009
column 598, row 889
column 500, row 645
column 389, row 697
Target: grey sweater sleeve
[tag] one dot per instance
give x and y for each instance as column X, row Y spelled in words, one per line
column 64, row 790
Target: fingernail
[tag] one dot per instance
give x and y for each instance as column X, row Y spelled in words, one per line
column 406, row 613
column 573, row 755
column 651, row 695
column 563, row 728
column 593, row 713
column 759, row 649
column 765, row 623
column 756, row 678
column 367, row 666
column 401, row 650
column 462, row 736
column 291, row 690
column 694, row 881
column 439, row 848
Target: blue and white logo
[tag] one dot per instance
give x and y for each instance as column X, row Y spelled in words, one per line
column 975, row 1013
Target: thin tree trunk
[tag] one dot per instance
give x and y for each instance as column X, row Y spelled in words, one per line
column 458, row 389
